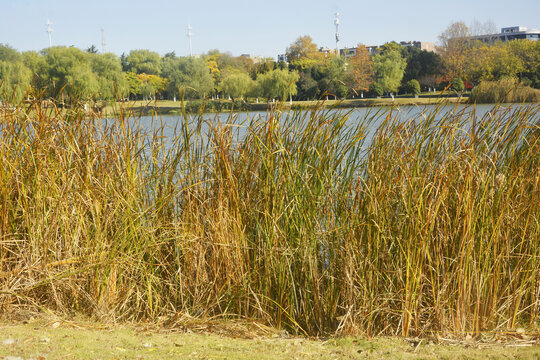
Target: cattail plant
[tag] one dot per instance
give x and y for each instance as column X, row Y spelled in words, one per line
column 389, row 224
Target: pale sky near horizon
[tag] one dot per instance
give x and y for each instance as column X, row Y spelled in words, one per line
column 259, row 28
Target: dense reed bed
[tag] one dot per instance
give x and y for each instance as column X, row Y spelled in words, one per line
column 310, row 222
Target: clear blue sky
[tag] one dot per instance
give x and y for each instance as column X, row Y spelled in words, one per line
column 257, row 27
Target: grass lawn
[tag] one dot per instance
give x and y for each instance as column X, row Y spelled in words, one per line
column 52, row 339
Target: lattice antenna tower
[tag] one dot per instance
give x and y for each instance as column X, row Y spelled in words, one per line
column 49, row 31
column 336, row 22
column 103, row 43
column 189, row 35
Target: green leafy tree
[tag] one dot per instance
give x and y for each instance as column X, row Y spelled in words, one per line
column 38, row 68
column 389, row 67
column 238, row 85
column 333, row 78
column 412, row 87
column 92, row 49
column 188, row 76
column 376, row 89
column 15, row 80
column 143, row 62
column 69, row 74
column 421, row 64
column 277, row 84
column 263, row 66
column 108, row 71
column 9, row 54
column 308, row 88
column 458, row 85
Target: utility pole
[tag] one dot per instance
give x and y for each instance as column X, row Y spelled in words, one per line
column 103, row 43
column 189, row 35
column 49, row 31
column 336, row 22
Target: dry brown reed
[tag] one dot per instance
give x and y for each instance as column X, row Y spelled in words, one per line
column 430, row 226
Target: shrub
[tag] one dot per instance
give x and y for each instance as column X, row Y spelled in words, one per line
column 458, row 85
column 412, row 87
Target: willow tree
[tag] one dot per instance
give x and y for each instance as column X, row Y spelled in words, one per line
column 14, row 81
column 69, row 74
column 237, row 85
column 277, row 84
column 389, row 67
column 188, row 76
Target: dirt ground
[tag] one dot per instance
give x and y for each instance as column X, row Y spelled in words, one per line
column 56, row 339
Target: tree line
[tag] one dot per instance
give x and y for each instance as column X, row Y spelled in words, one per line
column 68, row 72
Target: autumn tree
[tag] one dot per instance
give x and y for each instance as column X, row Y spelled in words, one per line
column 303, row 47
column 486, row 28
column 454, row 41
column 151, row 85
column 528, row 53
column 491, row 62
column 360, row 73
column 134, row 84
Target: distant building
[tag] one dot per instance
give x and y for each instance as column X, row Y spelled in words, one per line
column 510, row 33
column 255, row 59
column 422, row 45
column 373, row 49
column 326, row 50
column 347, row 52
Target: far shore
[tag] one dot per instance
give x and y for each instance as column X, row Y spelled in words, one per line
column 169, row 107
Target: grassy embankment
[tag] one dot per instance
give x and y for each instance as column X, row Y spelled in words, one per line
column 428, row 229
column 81, row 340
column 165, row 107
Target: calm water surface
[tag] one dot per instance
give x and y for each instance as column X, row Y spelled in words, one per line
column 169, row 125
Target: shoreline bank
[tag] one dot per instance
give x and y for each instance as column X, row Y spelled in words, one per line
column 168, row 107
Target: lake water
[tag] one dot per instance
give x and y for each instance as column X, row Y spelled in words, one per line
column 169, row 126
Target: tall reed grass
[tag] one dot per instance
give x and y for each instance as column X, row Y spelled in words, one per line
column 430, row 225
column 507, row 90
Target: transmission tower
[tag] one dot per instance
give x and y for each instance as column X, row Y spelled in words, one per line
column 336, row 22
column 49, row 31
column 189, row 35
column 103, row 43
